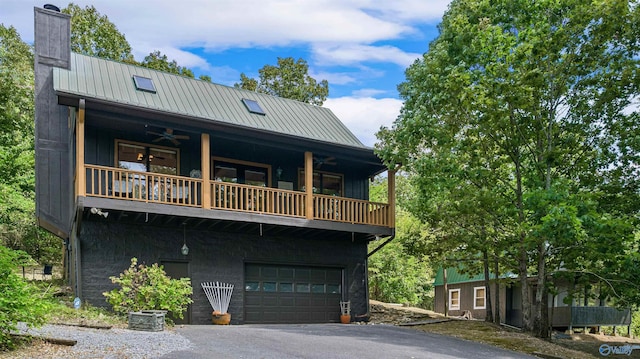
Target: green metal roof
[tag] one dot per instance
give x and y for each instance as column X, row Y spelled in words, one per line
column 110, row 81
column 454, row 277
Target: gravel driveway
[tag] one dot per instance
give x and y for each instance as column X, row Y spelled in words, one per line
column 262, row 341
column 106, row 343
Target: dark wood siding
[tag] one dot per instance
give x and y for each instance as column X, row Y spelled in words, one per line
column 214, row 255
column 53, row 135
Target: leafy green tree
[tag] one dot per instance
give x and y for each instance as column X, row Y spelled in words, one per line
column 289, row 79
column 159, row 61
column 18, row 228
column 397, row 272
column 515, row 115
column 94, row 35
column 145, row 287
column 18, row 300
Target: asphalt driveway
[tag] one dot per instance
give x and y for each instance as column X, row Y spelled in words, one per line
column 327, row 341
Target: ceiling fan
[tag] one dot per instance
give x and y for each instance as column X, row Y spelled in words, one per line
column 331, row 161
column 168, row 135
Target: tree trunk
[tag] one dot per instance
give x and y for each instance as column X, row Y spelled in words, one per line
column 524, row 291
column 497, row 318
column 523, row 258
column 487, row 288
column 540, row 318
column 445, row 295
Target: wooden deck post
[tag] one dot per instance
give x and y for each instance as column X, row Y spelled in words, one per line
column 206, row 171
column 308, row 183
column 80, row 174
column 391, row 194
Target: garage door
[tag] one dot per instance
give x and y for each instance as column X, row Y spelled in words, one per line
column 292, row 294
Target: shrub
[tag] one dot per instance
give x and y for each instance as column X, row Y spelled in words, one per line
column 149, row 288
column 18, row 299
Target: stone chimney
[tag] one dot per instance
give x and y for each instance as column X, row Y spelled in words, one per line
column 53, row 128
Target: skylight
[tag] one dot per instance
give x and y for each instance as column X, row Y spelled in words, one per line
column 253, row 106
column 144, row 84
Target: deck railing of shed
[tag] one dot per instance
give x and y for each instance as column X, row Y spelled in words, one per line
column 589, row 316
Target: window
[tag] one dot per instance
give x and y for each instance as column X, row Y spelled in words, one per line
column 454, row 299
column 252, row 286
column 144, row 84
column 479, row 298
column 303, row 288
column 323, row 183
column 253, row 106
column 269, row 286
column 228, row 170
column 333, row 288
column 146, row 158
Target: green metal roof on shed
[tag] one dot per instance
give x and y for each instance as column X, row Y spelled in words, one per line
column 455, row 277
column 110, row 81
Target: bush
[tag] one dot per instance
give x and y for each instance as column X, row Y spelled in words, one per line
column 18, row 299
column 149, row 288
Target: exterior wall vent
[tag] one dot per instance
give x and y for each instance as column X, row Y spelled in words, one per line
column 51, row 7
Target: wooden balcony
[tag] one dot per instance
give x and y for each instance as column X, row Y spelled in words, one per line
column 121, row 184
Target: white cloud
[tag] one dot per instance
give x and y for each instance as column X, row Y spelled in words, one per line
column 222, row 24
column 368, row 93
column 248, row 23
column 183, row 58
column 410, row 10
column 334, row 78
column 348, row 54
column 365, row 116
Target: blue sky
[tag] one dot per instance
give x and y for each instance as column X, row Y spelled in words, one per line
column 361, row 47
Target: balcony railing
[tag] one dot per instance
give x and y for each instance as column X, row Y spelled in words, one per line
column 109, row 182
column 245, row 198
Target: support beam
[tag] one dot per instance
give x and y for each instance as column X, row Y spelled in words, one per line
column 206, row 171
column 81, row 185
column 308, row 183
column 391, row 194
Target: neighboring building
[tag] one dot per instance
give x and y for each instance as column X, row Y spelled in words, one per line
column 467, row 293
column 266, row 193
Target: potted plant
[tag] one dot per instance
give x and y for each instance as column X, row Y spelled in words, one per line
column 219, row 296
column 345, row 312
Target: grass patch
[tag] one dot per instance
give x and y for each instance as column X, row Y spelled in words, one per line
column 492, row 334
column 59, row 299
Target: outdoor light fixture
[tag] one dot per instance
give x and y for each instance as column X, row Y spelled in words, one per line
column 99, row 212
column 184, row 249
column 279, row 172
